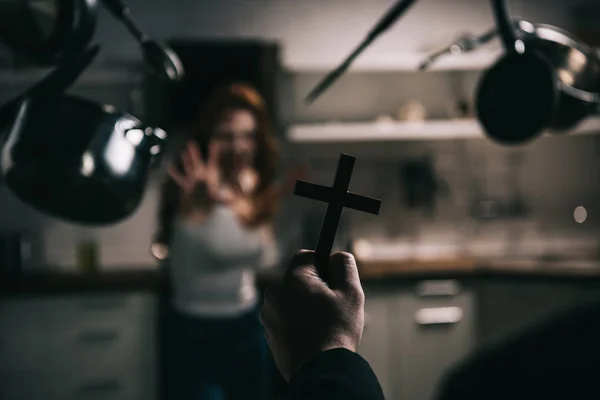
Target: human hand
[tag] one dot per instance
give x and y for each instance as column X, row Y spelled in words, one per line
column 304, row 315
column 196, row 172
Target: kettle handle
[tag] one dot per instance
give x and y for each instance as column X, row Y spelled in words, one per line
column 55, row 82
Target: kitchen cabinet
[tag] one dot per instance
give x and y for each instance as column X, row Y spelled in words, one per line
column 414, row 332
column 376, row 341
column 88, row 346
column 505, row 307
column 433, row 326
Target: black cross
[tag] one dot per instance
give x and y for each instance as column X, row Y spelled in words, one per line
column 337, row 197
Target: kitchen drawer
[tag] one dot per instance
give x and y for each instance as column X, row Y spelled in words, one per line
column 83, row 310
column 77, row 332
column 99, row 346
column 70, row 310
column 20, row 348
column 24, row 385
column 429, row 334
column 111, row 384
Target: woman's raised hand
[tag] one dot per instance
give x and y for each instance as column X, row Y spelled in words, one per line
column 196, row 172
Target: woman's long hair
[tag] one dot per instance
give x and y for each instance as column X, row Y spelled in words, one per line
column 234, row 96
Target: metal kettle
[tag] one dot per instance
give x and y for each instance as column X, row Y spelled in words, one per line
column 73, row 158
column 77, row 160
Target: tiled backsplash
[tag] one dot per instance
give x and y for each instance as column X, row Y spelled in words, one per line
column 557, row 175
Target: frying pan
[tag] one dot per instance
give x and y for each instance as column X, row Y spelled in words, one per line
column 546, row 80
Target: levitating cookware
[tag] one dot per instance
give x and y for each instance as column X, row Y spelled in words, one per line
column 545, row 81
column 47, row 32
column 77, row 160
column 160, row 58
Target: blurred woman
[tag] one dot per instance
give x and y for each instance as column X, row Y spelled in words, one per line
column 215, row 228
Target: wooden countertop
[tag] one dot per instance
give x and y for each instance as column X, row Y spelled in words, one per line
column 120, row 280
column 465, row 266
column 52, row 283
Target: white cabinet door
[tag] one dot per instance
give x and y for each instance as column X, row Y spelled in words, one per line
column 428, row 335
column 87, row 346
column 375, row 344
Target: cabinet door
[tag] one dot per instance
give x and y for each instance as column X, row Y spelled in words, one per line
column 430, row 332
column 375, row 344
column 506, row 307
column 100, row 346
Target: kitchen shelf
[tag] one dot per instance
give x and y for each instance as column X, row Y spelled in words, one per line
column 397, row 131
column 382, row 62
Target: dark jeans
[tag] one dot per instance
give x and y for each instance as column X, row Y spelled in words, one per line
column 218, row 358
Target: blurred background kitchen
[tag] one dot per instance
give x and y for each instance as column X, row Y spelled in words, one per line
column 474, row 240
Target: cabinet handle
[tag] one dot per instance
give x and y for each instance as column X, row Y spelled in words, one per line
column 446, row 287
column 98, row 336
column 438, row 316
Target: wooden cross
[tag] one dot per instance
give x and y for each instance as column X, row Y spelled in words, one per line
column 337, row 197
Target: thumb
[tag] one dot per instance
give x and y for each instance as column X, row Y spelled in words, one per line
column 343, row 271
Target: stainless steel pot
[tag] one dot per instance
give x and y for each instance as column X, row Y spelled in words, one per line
column 576, row 66
column 577, row 69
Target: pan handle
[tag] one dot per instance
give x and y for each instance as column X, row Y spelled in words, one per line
column 464, row 44
column 508, row 33
column 55, row 82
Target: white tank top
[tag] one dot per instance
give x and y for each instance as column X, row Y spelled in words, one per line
column 213, row 264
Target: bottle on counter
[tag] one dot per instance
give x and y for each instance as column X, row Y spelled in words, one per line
column 87, row 256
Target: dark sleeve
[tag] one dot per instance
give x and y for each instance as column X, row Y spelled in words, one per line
column 559, row 354
column 335, row 374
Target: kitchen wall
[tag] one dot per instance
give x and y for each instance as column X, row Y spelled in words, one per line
column 318, row 32
column 557, row 175
column 123, row 244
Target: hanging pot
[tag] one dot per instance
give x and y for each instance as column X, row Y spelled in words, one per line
column 546, row 80
column 77, row 160
column 47, row 32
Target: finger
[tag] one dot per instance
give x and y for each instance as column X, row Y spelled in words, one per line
column 302, row 259
column 213, row 155
column 196, row 156
column 269, row 319
column 178, row 177
column 343, row 271
column 273, row 297
column 188, row 165
column 303, row 270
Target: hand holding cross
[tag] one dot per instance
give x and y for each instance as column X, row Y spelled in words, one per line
column 337, row 197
